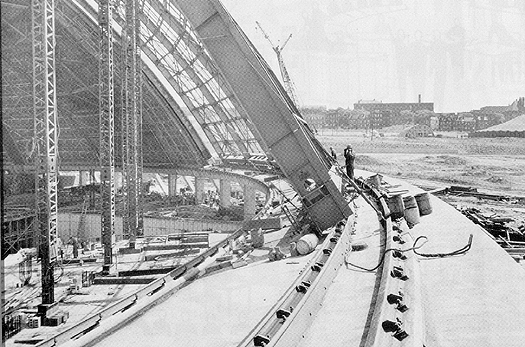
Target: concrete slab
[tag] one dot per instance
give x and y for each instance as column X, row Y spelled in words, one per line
column 218, row 310
column 475, row 299
column 470, row 300
column 343, row 319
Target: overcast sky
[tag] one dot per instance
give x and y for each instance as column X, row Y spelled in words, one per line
column 459, row 54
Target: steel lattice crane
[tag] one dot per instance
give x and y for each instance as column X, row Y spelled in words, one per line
column 107, row 131
column 46, row 140
column 287, row 81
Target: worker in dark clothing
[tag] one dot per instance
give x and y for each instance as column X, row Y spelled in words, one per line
column 349, row 161
column 75, row 249
column 332, row 153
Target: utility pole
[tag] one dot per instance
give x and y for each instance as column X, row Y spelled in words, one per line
column 107, row 129
column 287, row 81
column 45, row 140
column 132, row 124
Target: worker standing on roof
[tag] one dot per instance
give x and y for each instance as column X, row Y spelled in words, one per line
column 349, row 161
column 332, row 153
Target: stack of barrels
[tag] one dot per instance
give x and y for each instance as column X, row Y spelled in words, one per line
column 410, row 207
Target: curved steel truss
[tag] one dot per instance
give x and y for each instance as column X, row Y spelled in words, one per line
column 189, row 109
column 167, row 40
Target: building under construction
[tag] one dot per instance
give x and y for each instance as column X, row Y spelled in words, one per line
column 162, row 188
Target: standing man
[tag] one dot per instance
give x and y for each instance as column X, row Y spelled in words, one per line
column 349, row 161
column 332, row 153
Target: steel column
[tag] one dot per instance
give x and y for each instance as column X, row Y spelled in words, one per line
column 172, row 184
column 225, row 192
column 199, row 190
column 45, row 137
column 249, row 201
column 107, row 128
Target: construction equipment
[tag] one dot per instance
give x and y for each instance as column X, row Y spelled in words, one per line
column 287, row 81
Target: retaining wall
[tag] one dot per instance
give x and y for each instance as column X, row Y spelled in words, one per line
column 68, row 224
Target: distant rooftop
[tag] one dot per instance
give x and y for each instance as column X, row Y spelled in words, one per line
column 371, row 105
column 517, row 105
column 374, row 101
column 495, row 109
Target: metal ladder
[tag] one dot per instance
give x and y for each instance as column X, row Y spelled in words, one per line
column 289, row 215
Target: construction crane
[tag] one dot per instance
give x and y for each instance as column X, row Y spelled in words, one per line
column 288, row 84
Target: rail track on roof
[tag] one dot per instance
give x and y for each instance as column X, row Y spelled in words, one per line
column 396, row 313
column 396, row 316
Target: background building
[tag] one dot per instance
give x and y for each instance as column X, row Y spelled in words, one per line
column 386, row 114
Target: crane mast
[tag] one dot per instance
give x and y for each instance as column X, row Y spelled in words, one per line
column 287, row 81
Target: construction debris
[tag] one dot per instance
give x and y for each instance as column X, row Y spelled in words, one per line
column 497, row 226
column 276, row 254
column 469, row 191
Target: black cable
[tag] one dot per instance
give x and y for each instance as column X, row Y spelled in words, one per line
column 414, row 248
column 460, row 251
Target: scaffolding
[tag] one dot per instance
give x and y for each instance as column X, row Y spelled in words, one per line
column 132, row 123
column 45, row 139
column 107, row 131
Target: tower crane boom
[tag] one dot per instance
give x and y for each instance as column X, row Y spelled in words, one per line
column 287, row 81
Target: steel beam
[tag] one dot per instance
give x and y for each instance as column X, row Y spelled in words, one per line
column 107, row 130
column 192, row 70
column 259, row 92
column 45, row 137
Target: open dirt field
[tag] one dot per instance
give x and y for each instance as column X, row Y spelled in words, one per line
column 495, row 165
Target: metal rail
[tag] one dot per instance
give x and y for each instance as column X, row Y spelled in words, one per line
column 287, row 321
column 161, row 288
column 397, row 318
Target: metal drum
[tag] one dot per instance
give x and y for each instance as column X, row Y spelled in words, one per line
column 411, row 210
column 396, row 206
column 307, row 244
column 423, row 203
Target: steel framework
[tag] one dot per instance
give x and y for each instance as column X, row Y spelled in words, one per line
column 132, row 123
column 45, row 139
column 17, row 231
column 288, row 137
column 169, row 42
column 107, row 129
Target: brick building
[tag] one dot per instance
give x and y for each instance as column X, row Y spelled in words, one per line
column 314, row 116
column 386, row 114
column 447, row 121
